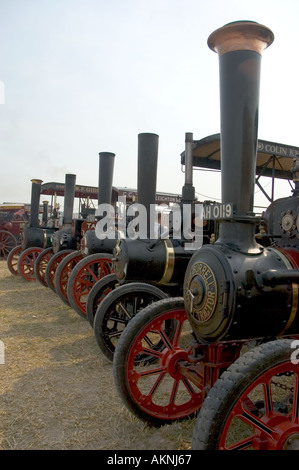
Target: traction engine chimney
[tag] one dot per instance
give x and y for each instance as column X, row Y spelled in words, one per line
column 225, row 290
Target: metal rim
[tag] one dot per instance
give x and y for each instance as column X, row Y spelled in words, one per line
column 87, row 272
column 274, row 430
column 7, row 242
column 41, row 264
column 53, row 265
column 117, row 309
column 12, row 260
column 168, row 396
column 26, row 263
column 63, row 273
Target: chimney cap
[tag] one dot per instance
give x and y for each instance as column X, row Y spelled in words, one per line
column 36, row 181
column 240, row 35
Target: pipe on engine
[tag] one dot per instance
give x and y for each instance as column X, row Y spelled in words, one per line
column 69, row 197
column 63, row 239
column 35, row 197
column 239, row 46
column 147, row 172
column 90, row 243
column 106, row 167
column 188, row 190
column 227, row 296
column 34, row 234
column 165, row 259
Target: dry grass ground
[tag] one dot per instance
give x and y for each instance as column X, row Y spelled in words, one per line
column 56, row 388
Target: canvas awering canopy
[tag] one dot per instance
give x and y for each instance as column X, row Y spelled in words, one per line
column 91, row 192
column 273, row 159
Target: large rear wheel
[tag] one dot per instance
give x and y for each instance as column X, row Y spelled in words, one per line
column 97, row 293
column 254, row 404
column 52, row 266
column 7, row 242
column 41, row 264
column 12, row 259
column 63, row 273
column 26, row 263
column 147, row 361
column 84, row 276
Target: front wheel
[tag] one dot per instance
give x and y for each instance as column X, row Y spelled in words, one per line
column 254, row 404
column 84, row 276
column 26, row 263
column 52, row 266
column 63, row 272
column 148, row 365
column 117, row 309
column 41, row 264
column 97, row 293
column 7, row 242
column 12, row 259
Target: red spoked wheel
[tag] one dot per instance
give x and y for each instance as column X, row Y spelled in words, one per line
column 255, row 403
column 53, row 265
column 148, row 361
column 98, row 292
column 63, row 273
column 26, row 262
column 83, row 277
column 12, row 259
column 7, row 242
column 41, row 264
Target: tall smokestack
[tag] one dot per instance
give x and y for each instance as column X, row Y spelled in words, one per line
column 35, row 196
column 239, row 46
column 90, row 242
column 106, row 167
column 147, row 172
column 223, row 295
column 188, row 190
column 69, row 196
column 45, row 212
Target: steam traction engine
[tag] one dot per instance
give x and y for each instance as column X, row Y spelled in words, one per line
column 65, row 241
column 34, row 238
column 165, row 258
column 238, row 365
column 46, row 257
column 95, row 261
column 12, row 221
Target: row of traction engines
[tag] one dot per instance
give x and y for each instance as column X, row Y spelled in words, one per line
column 237, row 284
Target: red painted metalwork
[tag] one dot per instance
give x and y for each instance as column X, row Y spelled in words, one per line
column 12, row 260
column 83, row 277
column 26, row 263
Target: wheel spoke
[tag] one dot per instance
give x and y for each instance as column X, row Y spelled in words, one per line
column 93, row 275
column 264, row 413
column 256, row 422
column 121, row 306
column 240, row 445
column 117, row 320
column 178, row 331
column 268, row 399
column 157, row 383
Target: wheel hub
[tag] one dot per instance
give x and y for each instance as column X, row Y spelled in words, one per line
column 171, row 358
column 292, row 443
column 285, row 435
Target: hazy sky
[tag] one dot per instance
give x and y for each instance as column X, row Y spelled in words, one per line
column 85, row 76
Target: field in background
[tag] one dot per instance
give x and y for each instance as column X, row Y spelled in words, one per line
column 56, row 387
